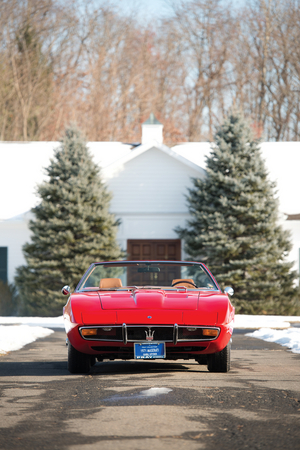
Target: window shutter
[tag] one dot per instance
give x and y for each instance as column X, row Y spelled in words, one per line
column 3, row 264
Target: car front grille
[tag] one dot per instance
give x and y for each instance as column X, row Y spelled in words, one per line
column 144, row 333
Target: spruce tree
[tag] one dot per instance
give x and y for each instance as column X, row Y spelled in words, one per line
column 234, row 224
column 72, row 228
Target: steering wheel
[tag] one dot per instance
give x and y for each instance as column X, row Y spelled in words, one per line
column 184, row 281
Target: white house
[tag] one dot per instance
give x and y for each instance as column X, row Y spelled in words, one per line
column 148, row 183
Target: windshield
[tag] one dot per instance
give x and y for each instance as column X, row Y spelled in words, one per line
column 142, row 274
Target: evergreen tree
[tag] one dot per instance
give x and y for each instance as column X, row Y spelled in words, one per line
column 234, row 225
column 8, row 299
column 72, row 228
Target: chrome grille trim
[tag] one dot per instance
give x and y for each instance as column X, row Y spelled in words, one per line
column 170, row 333
column 138, row 333
column 175, row 334
column 124, row 333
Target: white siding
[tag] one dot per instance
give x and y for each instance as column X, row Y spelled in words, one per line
column 294, row 227
column 147, row 226
column 14, row 234
column 152, row 183
column 149, row 196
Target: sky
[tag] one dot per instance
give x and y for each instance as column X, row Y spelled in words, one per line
column 15, row 332
column 149, row 9
column 156, row 9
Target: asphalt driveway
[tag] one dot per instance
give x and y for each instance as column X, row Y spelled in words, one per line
column 141, row 405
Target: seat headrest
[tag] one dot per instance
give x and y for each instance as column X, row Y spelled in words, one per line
column 182, row 282
column 110, row 283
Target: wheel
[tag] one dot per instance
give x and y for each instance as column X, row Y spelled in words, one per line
column 219, row 362
column 93, row 361
column 78, row 362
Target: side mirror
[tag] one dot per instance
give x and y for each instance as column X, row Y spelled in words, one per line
column 228, row 290
column 66, row 290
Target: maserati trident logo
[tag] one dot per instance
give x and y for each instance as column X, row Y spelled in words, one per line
column 149, row 334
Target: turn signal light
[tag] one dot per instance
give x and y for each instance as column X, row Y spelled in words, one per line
column 89, row 332
column 210, row 332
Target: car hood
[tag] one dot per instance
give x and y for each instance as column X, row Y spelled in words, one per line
column 161, row 306
column 149, row 299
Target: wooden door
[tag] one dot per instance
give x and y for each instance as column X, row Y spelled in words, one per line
column 152, row 249
column 149, row 250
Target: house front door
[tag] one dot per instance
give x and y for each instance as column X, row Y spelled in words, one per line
column 151, row 249
column 154, row 249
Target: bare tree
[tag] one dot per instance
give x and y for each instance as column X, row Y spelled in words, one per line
column 37, row 36
column 91, row 63
column 202, row 30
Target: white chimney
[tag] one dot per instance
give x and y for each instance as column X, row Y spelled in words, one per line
column 152, row 130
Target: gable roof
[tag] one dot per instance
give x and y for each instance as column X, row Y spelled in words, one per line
column 22, row 168
column 111, row 169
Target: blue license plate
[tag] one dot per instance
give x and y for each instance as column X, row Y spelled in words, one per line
column 153, row 350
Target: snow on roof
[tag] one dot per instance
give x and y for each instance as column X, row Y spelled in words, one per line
column 282, row 161
column 22, row 167
column 196, row 152
column 112, row 169
column 283, row 164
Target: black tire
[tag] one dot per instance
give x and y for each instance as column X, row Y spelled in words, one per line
column 78, row 362
column 220, row 362
column 93, row 361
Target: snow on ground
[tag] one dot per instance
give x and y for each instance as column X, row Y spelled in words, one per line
column 16, row 336
column 288, row 338
column 242, row 321
column 152, row 392
column 50, row 322
column 15, row 332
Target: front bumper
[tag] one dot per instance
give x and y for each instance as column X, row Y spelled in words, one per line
column 117, row 341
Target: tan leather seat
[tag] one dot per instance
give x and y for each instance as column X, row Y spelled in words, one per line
column 182, row 282
column 110, row 283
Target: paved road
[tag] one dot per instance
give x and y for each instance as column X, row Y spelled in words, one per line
column 255, row 406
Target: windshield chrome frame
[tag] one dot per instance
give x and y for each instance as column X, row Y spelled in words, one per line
column 162, row 262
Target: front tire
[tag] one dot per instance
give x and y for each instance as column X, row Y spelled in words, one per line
column 78, row 362
column 220, row 362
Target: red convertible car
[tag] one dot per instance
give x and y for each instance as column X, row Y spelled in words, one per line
column 148, row 310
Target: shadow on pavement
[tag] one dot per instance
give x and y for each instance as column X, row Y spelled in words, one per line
column 59, row 368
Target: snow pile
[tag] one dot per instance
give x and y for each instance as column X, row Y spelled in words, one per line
column 152, row 392
column 50, row 322
column 288, row 338
column 15, row 337
column 243, row 321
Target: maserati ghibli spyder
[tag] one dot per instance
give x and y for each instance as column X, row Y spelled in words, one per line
column 147, row 310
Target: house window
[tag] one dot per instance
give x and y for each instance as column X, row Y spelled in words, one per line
column 3, row 264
